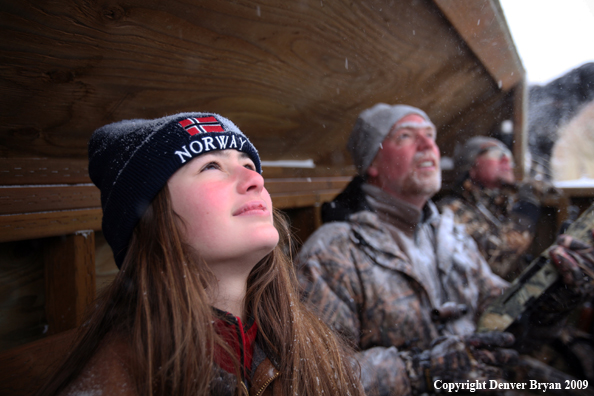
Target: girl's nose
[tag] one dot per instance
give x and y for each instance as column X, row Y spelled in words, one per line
column 249, row 180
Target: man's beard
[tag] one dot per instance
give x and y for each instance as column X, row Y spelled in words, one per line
column 423, row 185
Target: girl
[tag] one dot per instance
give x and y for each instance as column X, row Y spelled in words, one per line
column 206, row 301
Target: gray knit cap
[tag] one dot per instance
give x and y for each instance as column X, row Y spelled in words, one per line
column 372, row 127
column 465, row 155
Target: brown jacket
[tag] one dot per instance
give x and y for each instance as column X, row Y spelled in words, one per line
column 107, row 373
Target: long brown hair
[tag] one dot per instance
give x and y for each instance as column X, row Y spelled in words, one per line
column 159, row 305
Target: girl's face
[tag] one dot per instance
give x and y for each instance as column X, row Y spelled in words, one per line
column 226, row 209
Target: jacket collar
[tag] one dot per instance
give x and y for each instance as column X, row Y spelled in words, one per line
column 239, row 336
column 377, row 242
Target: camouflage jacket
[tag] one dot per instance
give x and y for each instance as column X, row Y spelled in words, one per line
column 502, row 223
column 364, row 286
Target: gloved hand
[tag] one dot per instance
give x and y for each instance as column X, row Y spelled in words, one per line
column 478, row 356
column 574, row 259
column 527, row 192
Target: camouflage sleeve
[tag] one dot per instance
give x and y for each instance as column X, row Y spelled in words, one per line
column 331, row 288
column 501, row 241
column 489, row 285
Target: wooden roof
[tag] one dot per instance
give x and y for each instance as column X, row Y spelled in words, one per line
column 292, row 74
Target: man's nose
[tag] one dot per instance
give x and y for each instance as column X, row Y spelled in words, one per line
column 425, row 142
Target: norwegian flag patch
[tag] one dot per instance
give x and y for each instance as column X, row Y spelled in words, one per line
column 201, row 125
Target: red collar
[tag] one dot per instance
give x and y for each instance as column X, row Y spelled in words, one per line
column 240, row 337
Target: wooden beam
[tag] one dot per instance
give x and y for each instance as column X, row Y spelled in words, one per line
column 46, row 224
column 34, row 211
column 520, row 104
column 29, row 199
column 578, row 191
column 69, row 280
column 305, row 184
column 481, row 24
column 296, row 200
column 27, row 171
column 332, row 60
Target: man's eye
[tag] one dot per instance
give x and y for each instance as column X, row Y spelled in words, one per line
column 250, row 167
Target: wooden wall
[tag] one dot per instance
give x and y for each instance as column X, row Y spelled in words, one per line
column 293, row 75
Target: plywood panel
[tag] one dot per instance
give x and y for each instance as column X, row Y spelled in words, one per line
column 292, row 74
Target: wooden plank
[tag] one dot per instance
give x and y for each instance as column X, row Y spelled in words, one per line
column 47, row 224
column 26, row 171
column 578, row 191
column 24, row 369
column 305, row 185
column 292, row 75
column 29, row 199
column 69, row 280
column 283, row 201
column 520, row 99
column 481, row 23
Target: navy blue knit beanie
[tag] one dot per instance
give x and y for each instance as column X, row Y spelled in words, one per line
column 131, row 160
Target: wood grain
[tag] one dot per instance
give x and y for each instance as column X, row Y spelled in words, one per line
column 482, row 25
column 105, row 267
column 69, row 280
column 292, row 75
column 45, row 224
column 297, row 200
column 28, row 199
column 29, row 171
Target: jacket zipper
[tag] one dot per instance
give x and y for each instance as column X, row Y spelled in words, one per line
column 266, row 384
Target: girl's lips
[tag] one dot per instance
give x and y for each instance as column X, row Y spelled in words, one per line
column 256, row 207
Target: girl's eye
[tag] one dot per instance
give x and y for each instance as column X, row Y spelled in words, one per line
column 210, row 165
column 250, row 167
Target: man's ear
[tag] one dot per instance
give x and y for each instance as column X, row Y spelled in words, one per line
column 372, row 171
column 472, row 172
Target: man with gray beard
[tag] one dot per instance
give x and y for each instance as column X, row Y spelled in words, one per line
column 404, row 283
